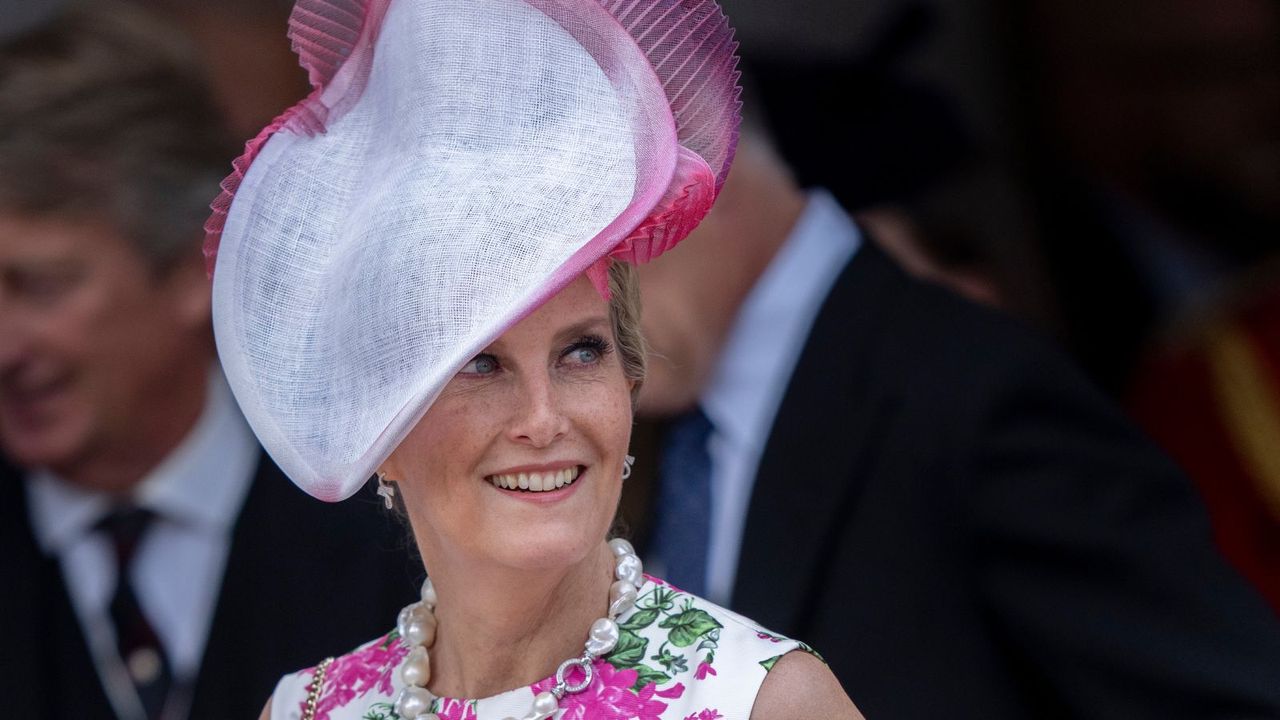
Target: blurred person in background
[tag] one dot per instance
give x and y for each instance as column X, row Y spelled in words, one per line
column 1155, row 140
column 1210, row 394
column 923, row 488
column 155, row 564
column 1159, row 176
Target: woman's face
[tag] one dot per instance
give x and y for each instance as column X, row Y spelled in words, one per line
column 519, row 460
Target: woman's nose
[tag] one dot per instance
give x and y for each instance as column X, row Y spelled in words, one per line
column 540, row 421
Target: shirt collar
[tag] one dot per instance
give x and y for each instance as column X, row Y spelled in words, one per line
column 202, row 482
column 770, row 331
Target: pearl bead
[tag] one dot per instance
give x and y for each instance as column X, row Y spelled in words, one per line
column 621, row 547
column 545, row 704
column 622, row 595
column 408, row 614
column 412, row 702
column 416, row 668
column 421, row 633
column 427, row 716
column 429, row 594
column 603, row 637
column 630, row 568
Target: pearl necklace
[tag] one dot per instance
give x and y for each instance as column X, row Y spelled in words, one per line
column 417, row 627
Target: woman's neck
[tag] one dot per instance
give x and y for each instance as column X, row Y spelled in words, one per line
column 500, row 630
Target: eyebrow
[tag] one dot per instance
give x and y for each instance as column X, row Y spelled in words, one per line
column 576, row 330
column 581, row 328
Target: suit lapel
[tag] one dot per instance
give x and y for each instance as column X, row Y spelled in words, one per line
column 248, row 603
column 804, row 483
column 45, row 667
column 304, row 580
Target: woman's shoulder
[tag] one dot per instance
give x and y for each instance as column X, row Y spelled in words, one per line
column 681, row 619
column 702, row 659
column 323, row 691
column 761, row 673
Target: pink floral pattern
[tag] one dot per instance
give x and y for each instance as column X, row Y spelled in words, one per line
column 355, row 675
column 672, row 646
column 611, row 697
column 454, row 709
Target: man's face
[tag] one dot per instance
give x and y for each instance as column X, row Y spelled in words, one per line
column 92, row 340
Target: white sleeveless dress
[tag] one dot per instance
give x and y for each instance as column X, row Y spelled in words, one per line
column 680, row 658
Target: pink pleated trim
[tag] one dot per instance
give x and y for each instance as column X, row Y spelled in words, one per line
column 334, row 40
column 704, row 95
column 688, row 200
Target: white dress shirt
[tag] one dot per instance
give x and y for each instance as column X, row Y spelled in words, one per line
column 195, row 493
column 756, row 364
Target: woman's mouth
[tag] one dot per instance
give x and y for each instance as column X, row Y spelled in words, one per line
column 536, row 482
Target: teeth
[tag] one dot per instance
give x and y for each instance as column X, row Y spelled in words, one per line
column 536, row 482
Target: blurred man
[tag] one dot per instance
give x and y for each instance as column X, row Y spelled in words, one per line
column 156, row 564
column 921, row 488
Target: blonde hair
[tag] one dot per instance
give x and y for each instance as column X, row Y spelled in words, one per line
column 624, row 315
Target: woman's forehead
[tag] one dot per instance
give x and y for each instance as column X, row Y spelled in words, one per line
column 576, row 310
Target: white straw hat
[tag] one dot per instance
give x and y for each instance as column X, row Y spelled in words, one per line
column 458, row 163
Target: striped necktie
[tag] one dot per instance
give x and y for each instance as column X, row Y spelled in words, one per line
column 136, row 639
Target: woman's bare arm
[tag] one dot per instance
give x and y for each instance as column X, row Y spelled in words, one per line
column 801, row 687
column 266, row 711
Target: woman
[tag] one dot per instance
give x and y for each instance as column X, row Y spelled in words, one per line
column 421, row 273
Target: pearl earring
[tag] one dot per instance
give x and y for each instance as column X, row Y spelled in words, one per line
column 386, row 490
column 627, row 462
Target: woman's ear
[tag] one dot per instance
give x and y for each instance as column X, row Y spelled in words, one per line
column 390, row 469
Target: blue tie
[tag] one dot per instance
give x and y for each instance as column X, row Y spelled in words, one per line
column 683, row 531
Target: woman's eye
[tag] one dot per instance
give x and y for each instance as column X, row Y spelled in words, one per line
column 481, row 365
column 585, row 355
column 587, row 352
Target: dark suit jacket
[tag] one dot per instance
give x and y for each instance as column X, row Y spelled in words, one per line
column 966, row 529
column 303, row 580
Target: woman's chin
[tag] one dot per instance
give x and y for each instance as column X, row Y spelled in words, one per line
column 545, row 546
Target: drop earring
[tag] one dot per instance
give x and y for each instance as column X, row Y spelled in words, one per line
column 386, row 490
column 627, row 462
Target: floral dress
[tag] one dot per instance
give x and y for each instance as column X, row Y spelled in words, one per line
column 679, row 658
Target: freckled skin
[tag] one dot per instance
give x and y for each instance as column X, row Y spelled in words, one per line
column 536, row 395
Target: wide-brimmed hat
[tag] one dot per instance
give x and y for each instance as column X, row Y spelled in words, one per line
column 458, row 163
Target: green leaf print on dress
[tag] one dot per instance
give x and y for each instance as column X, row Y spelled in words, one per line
column 688, row 626
column 690, row 632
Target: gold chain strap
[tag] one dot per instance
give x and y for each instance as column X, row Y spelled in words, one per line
column 313, row 689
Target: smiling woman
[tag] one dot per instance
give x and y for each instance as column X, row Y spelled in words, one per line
column 421, row 272
column 547, row 404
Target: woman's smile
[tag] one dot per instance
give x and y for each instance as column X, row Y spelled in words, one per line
column 544, row 484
